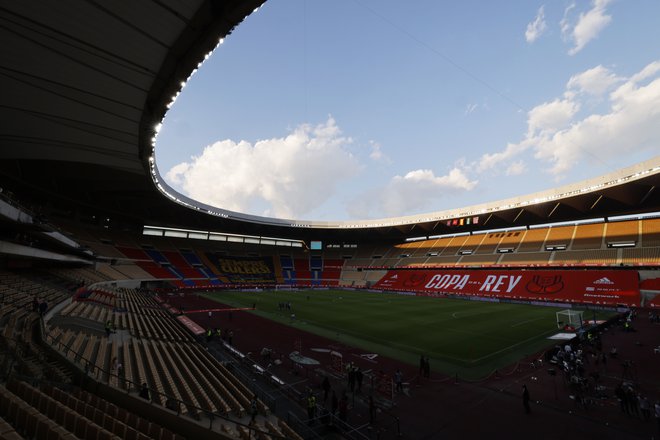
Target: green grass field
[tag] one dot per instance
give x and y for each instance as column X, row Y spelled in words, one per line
column 468, row 338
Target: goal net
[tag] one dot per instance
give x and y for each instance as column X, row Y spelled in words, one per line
column 569, row 319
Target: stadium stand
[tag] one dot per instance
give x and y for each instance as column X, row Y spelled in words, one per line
column 651, row 232
column 623, row 231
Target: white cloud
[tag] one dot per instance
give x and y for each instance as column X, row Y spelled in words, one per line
column 557, row 136
column 516, row 168
column 470, row 108
column 492, row 160
column 631, row 125
column 412, row 192
column 377, row 152
column 594, row 81
column 281, row 177
column 565, row 23
column 551, row 116
column 588, row 26
column 176, row 174
column 537, row 27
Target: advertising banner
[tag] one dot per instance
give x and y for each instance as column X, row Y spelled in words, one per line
column 579, row 286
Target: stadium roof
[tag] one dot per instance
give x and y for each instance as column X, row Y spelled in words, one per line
column 85, row 85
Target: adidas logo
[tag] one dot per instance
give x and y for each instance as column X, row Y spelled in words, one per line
column 604, row 280
column 395, row 277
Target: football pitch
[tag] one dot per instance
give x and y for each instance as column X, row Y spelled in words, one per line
column 467, row 338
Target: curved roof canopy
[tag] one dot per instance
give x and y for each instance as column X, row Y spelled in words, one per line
column 85, row 84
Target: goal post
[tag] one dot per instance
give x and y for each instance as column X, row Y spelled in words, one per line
column 569, row 318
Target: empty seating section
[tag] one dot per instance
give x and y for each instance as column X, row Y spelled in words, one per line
column 640, row 256
column 105, row 250
column 446, row 260
column 471, row 243
column 331, row 271
column 155, row 270
column 86, row 275
column 41, row 417
column 589, row 236
column 594, row 256
column 424, row 249
column 132, row 272
column 439, row 245
column 147, row 320
column 651, row 232
column 311, row 270
column 624, row 231
column 316, row 262
column 368, row 251
column 511, row 240
column 526, row 258
column 182, row 265
column 50, row 412
column 477, row 259
column 160, row 353
column 384, row 262
column 412, row 261
column 406, row 248
column 144, row 261
column 374, row 275
column 453, row 246
column 17, row 292
column 357, row 262
column 156, row 256
column 301, row 273
column 111, row 272
column 352, row 277
column 533, row 240
column 134, row 253
column 489, row 243
column 560, row 235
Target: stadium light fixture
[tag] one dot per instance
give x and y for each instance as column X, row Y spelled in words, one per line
column 621, row 244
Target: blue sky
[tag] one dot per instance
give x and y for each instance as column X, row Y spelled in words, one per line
column 359, row 109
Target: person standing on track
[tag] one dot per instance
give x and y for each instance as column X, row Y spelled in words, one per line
column 398, row 381
column 311, row 407
column 525, row 399
column 326, row 388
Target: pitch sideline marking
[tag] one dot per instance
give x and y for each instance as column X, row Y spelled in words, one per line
column 511, row 346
